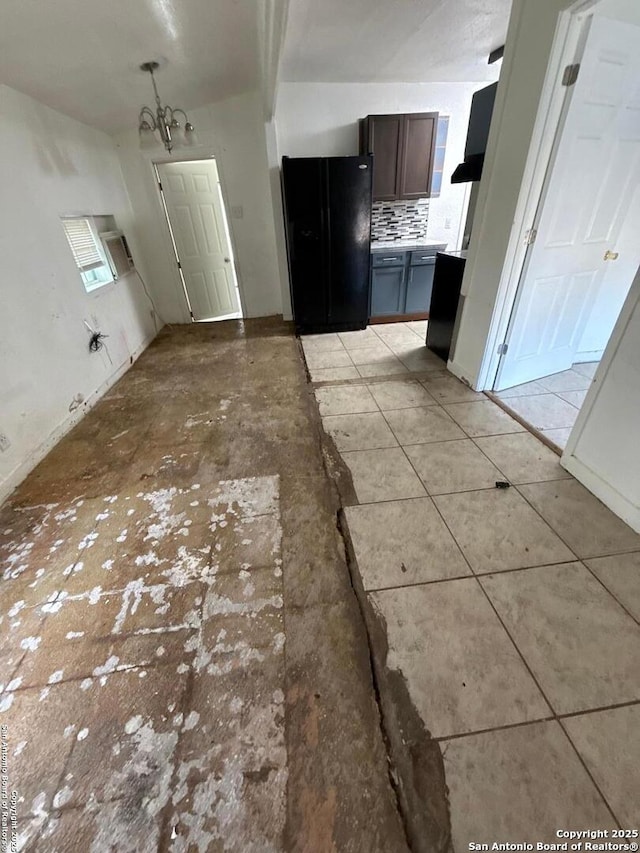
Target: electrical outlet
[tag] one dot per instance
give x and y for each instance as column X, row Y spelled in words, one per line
column 447, row 224
column 5, row 444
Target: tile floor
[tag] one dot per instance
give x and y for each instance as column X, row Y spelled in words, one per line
column 386, row 349
column 551, row 404
column 513, row 614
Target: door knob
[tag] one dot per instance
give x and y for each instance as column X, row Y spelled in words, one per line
column 610, row 256
column 227, row 260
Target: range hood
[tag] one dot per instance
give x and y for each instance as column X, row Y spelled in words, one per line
column 469, row 170
column 477, row 134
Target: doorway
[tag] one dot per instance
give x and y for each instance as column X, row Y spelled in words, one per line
column 583, row 249
column 197, row 222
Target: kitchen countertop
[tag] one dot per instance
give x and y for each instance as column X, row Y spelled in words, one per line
column 405, row 247
column 459, row 254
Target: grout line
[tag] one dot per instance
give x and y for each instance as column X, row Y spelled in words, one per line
column 612, row 707
column 559, row 718
column 557, row 533
column 555, row 714
column 473, row 574
column 546, row 699
column 490, row 488
column 505, row 727
column 544, row 520
column 373, row 379
column 396, row 587
column 557, row 394
column 515, row 485
column 463, row 555
column 606, row 588
column 588, row 771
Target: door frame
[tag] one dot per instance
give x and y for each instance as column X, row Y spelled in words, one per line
column 171, row 245
column 549, row 116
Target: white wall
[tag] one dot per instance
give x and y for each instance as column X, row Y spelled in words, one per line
column 530, row 37
column 603, row 451
column 233, row 131
column 52, row 165
column 623, row 10
column 321, row 119
column 277, row 207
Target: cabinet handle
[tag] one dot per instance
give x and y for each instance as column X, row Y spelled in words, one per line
column 390, row 259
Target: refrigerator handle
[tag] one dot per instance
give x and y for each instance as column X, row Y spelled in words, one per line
column 327, row 236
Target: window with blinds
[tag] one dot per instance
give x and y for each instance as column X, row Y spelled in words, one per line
column 87, row 252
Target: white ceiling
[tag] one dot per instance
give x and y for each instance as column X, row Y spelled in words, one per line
column 82, row 56
column 393, row 40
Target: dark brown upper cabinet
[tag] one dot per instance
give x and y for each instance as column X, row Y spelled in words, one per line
column 403, row 147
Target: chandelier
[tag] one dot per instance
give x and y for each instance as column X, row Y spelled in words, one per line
column 163, row 125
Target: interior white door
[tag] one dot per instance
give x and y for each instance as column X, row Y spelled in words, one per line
column 594, row 172
column 196, row 213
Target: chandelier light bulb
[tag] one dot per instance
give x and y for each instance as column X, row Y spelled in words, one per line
column 177, row 133
column 190, row 135
column 148, row 138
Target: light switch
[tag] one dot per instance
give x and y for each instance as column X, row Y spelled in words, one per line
column 237, row 212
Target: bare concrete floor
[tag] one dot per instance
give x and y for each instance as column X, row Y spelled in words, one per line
column 184, row 662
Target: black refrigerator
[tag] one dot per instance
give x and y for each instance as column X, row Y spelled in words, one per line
column 327, row 210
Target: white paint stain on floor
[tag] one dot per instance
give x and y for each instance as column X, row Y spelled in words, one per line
column 220, row 763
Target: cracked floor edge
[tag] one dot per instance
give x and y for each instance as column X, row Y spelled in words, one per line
column 339, row 794
column 416, row 768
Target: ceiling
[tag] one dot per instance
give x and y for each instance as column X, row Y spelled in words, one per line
column 393, row 40
column 82, row 56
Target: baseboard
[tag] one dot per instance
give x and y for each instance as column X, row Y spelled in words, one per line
column 458, row 371
column 617, row 503
column 399, row 318
column 36, row 456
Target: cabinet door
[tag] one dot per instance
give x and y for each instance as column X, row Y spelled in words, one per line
column 418, row 150
column 419, row 286
column 387, row 291
column 385, row 143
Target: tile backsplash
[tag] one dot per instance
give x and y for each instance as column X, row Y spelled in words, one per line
column 396, row 221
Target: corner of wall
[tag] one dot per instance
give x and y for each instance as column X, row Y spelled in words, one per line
column 24, row 468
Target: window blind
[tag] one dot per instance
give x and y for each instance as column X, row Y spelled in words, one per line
column 83, row 244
